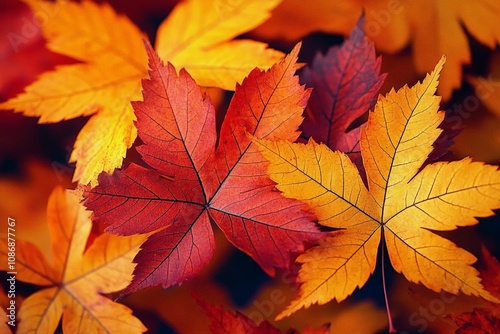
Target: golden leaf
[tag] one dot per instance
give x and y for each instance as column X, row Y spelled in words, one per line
column 401, row 205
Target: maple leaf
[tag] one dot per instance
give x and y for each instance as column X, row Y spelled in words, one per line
column 432, row 28
column 479, row 321
column 102, row 85
column 394, row 25
column 345, row 83
column 75, row 279
column 308, row 17
column 23, row 57
column 482, row 320
column 189, row 183
column 196, row 36
column 401, row 207
column 205, row 48
column 224, row 321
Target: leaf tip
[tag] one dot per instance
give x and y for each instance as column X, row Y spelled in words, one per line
column 290, row 309
column 296, row 49
column 440, row 64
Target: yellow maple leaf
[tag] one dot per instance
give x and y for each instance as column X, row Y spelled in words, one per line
column 431, row 27
column 75, row 279
column 292, row 20
column 434, row 28
column 402, row 206
column 197, row 35
column 113, row 60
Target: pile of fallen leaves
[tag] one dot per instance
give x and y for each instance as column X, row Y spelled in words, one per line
column 305, row 168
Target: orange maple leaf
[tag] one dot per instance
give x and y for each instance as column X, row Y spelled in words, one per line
column 438, row 28
column 103, row 85
column 401, row 205
column 197, row 35
column 75, row 279
column 432, row 28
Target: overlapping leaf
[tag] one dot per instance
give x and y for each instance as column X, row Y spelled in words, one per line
column 102, row 85
column 483, row 320
column 308, row 18
column 432, row 28
column 75, row 279
column 190, row 183
column 400, row 206
column 440, row 28
column 197, row 36
column 345, row 84
column 394, row 25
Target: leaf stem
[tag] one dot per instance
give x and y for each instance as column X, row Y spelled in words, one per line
column 392, row 329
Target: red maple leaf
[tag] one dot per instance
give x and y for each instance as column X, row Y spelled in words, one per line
column 345, row 85
column 487, row 319
column 189, row 183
